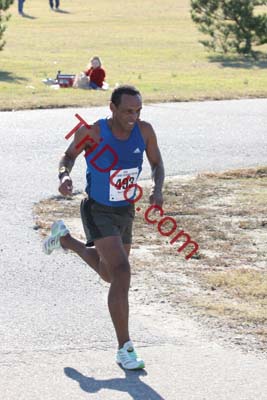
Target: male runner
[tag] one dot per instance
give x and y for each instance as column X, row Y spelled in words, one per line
column 107, row 217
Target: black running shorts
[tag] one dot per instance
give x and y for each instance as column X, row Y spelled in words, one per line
column 100, row 221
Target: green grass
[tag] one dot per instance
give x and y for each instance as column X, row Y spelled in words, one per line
column 151, row 44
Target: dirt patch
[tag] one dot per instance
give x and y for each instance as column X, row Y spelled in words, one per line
column 224, row 284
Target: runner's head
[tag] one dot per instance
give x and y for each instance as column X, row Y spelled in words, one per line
column 125, row 105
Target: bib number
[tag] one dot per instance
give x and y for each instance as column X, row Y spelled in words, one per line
column 121, row 182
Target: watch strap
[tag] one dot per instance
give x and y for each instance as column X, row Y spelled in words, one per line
column 63, row 171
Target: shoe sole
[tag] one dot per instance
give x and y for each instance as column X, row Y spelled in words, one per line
column 142, row 366
column 44, row 248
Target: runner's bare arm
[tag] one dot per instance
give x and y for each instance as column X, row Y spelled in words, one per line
column 83, row 139
column 156, row 163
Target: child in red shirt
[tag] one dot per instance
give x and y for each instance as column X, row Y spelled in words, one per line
column 95, row 73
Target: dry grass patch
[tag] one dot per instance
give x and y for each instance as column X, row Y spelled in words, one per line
column 242, row 283
column 238, row 295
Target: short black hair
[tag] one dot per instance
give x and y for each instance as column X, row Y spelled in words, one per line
column 123, row 89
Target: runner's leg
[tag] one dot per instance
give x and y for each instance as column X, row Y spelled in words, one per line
column 89, row 255
column 127, row 248
column 113, row 254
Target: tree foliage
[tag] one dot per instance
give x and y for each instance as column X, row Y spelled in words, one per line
column 233, row 25
column 4, row 5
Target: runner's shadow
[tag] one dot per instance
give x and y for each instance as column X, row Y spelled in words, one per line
column 131, row 384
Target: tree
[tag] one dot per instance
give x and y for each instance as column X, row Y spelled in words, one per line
column 231, row 24
column 4, row 5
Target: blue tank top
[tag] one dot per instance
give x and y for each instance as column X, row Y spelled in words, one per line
column 113, row 166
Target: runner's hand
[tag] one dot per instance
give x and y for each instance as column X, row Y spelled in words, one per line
column 65, row 187
column 156, row 198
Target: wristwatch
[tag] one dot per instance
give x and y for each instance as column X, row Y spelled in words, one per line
column 62, row 171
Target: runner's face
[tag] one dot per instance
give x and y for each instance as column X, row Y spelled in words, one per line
column 128, row 111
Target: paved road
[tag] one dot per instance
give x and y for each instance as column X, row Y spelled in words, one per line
column 57, row 341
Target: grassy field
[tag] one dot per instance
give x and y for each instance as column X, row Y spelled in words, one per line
column 152, row 44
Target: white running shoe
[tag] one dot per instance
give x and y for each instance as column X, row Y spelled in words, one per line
column 127, row 357
column 52, row 242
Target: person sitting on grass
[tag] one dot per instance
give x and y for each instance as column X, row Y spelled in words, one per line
column 95, row 73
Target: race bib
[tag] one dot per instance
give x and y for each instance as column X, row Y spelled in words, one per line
column 120, row 183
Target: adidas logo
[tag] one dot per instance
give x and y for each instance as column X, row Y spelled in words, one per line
column 137, row 150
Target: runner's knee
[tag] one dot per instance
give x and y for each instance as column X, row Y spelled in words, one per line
column 120, row 271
